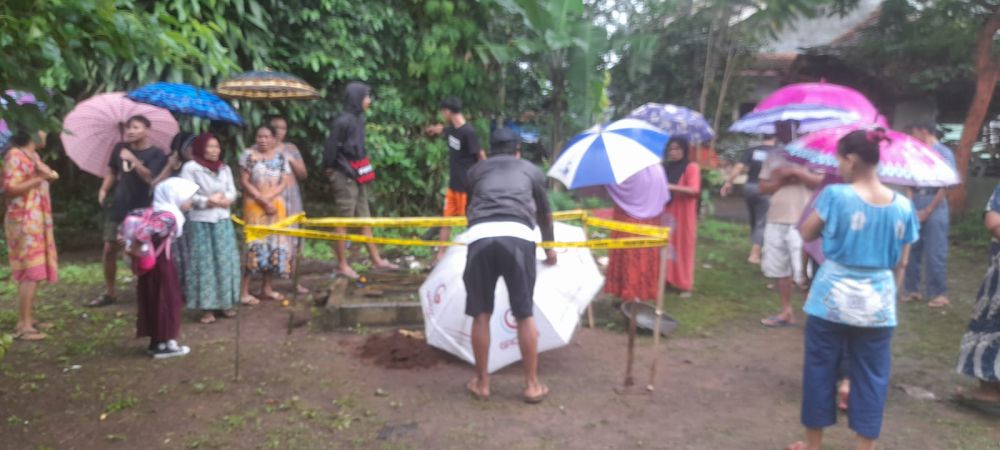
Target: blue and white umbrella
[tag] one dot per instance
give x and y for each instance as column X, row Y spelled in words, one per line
column 609, row 154
column 677, row 121
column 183, row 98
column 810, row 117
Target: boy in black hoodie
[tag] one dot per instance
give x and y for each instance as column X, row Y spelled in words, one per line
column 346, row 164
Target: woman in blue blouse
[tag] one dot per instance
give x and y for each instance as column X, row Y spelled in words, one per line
column 867, row 230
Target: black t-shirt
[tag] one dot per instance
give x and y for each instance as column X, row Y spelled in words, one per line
column 463, row 152
column 753, row 158
column 130, row 190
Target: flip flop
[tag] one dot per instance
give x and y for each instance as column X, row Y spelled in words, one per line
column 983, row 406
column 475, row 394
column 538, row 398
column 939, row 303
column 29, row 336
column 249, row 300
column 776, row 322
column 274, row 295
column 103, row 300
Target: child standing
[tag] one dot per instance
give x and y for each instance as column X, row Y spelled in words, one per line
column 158, row 291
column 867, row 230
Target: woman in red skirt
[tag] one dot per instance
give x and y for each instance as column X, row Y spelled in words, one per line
column 632, row 273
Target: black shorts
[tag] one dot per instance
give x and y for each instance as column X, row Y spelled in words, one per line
column 491, row 258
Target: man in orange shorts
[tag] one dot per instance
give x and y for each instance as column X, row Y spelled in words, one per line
column 463, row 151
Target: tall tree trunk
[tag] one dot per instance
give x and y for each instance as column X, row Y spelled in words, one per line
column 727, row 79
column 558, row 109
column 709, row 71
column 987, row 75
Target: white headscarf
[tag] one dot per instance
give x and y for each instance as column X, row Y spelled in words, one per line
column 170, row 195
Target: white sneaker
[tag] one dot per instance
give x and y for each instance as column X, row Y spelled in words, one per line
column 170, row 349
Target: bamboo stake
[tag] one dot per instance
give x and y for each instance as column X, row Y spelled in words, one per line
column 590, row 306
column 659, row 315
column 629, row 379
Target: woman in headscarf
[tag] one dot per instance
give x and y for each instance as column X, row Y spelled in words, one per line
column 684, row 181
column 265, row 174
column 28, row 226
column 633, row 273
column 212, row 273
column 158, row 291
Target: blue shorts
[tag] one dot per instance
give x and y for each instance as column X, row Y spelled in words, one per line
column 869, row 356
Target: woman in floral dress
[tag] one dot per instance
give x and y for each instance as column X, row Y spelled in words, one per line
column 265, row 174
column 28, row 226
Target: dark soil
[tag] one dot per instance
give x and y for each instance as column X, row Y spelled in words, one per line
column 394, row 350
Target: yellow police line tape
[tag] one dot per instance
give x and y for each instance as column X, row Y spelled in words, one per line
column 649, row 235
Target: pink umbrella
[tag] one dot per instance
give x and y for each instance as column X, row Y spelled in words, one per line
column 821, row 93
column 814, row 106
column 94, row 126
column 905, row 161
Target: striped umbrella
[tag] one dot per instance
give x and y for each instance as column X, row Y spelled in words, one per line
column 609, row 154
column 266, row 85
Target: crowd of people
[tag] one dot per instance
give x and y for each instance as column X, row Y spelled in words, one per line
column 848, row 240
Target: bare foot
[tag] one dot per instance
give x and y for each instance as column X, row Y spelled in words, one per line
column 249, row 300
column 383, row 264
column 302, row 290
column 536, row 393
column 272, row 295
column 912, row 297
column 28, row 334
column 229, row 313
column 480, row 390
column 348, row 273
column 207, row 318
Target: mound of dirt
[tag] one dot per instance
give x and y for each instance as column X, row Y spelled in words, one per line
column 396, row 350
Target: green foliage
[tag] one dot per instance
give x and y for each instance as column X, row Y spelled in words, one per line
column 922, row 45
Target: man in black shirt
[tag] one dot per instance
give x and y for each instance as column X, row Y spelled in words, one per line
column 508, row 199
column 750, row 163
column 133, row 167
column 463, row 151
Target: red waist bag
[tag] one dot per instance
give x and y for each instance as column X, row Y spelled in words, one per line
column 364, row 173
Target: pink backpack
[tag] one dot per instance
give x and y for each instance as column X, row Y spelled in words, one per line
column 138, row 230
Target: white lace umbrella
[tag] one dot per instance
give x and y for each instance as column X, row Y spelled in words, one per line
column 562, row 293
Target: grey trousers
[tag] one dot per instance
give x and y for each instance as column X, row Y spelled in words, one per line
column 757, row 205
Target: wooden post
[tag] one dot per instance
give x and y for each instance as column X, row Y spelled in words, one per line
column 590, row 306
column 629, row 380
column 659, row 314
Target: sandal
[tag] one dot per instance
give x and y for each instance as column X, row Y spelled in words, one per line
column 249, row 300
column 103, row 300
column 776, row 322
column 207, row 318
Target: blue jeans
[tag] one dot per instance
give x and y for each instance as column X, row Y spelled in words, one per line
column 865, row 354
column 931, row 251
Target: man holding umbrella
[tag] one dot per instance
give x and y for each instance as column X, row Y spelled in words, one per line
column 134, row 166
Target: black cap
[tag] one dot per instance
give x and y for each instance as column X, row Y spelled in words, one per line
column 453, row 104
column 503, row 136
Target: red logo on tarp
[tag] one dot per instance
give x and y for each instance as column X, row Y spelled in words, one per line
column 509, row 322
column 439, row 293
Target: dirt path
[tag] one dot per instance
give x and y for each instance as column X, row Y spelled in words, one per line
column 739, row 390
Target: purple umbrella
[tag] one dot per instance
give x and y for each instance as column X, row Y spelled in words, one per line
column 22, row 98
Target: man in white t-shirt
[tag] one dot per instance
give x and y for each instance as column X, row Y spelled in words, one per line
column 790, row 187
